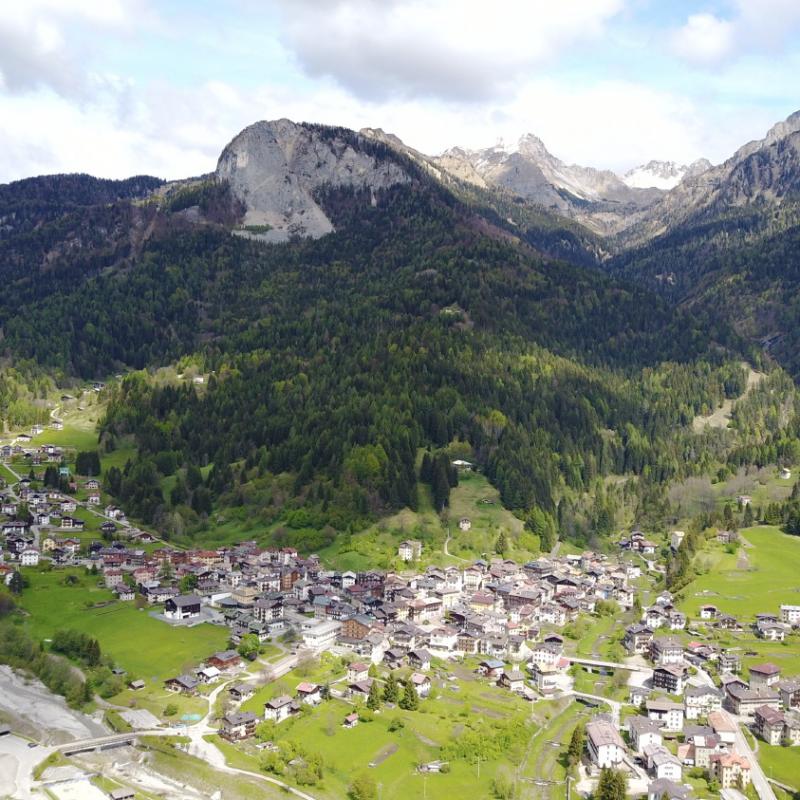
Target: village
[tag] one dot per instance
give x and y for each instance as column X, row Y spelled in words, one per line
column 679, row 710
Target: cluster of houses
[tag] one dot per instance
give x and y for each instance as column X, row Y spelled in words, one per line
column 707, row 741
column 705, row 720
column 704, row 715
column 486, row 608
column 51, row 527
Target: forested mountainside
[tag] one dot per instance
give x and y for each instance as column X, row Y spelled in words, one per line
column 422, row 320
column 726, row 243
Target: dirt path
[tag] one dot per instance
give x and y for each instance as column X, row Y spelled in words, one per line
column 743, row 562
column 449, row 554
column 721, row 417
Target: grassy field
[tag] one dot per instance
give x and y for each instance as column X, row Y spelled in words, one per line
column 438, row 720
column 771, row 577
column 546, row 757
column 768, row 579
column 780, row 763
column 145, row 647
column 474, row 498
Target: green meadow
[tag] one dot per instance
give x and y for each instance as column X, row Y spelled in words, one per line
column 760, row 584
column 780, row 763
column 474, row 499
column 418, row 738
column 769, row 578
column 145, row 647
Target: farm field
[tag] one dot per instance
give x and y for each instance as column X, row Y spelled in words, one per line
column 771, row 577
column 475, row 706
column 780, row 763
column 145, row 647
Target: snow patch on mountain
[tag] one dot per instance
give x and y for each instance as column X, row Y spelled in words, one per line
column 664, row 175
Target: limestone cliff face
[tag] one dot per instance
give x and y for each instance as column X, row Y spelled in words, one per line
column 274, row 168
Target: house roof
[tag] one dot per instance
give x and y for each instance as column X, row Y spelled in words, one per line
column 239, row 717
column 603, row 733
column 664, row 786
column 768, row 668
column 186, row 600
column 770, row 715
column 279, row 702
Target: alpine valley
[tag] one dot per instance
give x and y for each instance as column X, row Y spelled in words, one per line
column 339, row 382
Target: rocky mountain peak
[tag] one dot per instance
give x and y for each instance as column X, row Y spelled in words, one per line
column 275, row 167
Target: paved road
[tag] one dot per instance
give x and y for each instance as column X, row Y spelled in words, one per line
column 757, row 776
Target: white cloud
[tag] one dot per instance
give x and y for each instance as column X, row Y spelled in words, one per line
column 47, row 43
column 704, row 39
column 412, row 48
column 434, row 77
column 176, row 133
column 754, row 26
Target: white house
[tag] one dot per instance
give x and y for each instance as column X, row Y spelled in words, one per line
column 29, row 557
column 662, row 764
column 667, row 713
column 182, row 607
column 279, row 708
column 321, row 637
column 410, row 550
column 644, row 733
column 309, row 693
column 700, row 701
column 605, row 745
column 790, row 614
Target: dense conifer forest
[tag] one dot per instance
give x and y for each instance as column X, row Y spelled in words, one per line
column 330, row 364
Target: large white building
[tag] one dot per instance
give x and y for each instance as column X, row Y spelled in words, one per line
column 790, row 614
column 321, row 637
column 605, row 745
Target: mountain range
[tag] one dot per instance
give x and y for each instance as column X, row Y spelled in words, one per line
column 353, row 301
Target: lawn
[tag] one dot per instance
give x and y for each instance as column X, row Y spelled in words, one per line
column 7, row 475
column 438, row 720
column 780, row 763
column 474, row 498
column 770, row 579
column 145, row 647
column 80, row 436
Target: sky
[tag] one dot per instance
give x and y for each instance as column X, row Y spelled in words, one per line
column 123, row 87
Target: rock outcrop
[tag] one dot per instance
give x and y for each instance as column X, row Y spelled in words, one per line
column 275, row 168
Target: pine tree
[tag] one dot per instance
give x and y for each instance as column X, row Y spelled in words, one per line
column 391, row 691
column 576, row 745
column 613, row 785
column 374, row 699
column 15, row 584
column 410, row 699
column 501, row 545
column 426, row 468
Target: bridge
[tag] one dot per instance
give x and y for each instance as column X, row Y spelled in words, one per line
column 600, row 664
column 110, row 741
